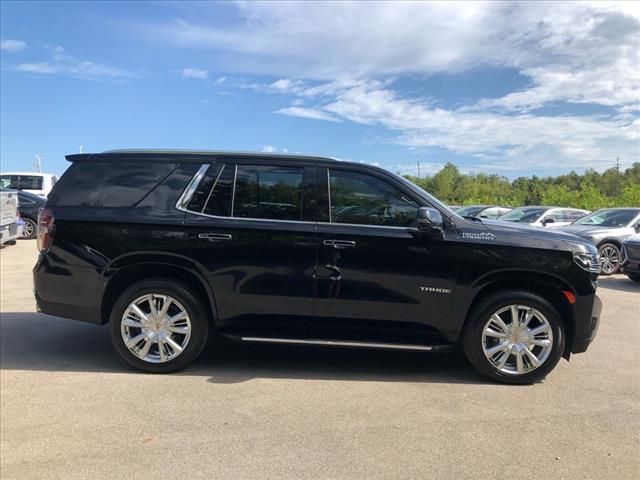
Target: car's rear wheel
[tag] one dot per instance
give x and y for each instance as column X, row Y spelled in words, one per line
column 514, row 337
column 29, row 229
column 609, row 254
column 159, row 326
column 635, row 278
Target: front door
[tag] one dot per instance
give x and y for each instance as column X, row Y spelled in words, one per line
column 250, row 230
column 372, row 265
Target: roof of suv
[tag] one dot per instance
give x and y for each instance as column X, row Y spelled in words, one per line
column 193, row 155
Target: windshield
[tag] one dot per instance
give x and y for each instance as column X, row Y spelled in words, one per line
column 523, row 214
column 609, row 217
column 470, row 211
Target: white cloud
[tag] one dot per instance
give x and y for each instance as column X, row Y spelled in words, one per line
column 12, row 46
column 304, row 112
column 515, row 139
column 196, row 73
column 572, row 52
column 63, row 64
column 269, row 149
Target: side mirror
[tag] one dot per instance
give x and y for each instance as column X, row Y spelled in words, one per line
column 429, row 219
column 547, row 221
column 637, row 227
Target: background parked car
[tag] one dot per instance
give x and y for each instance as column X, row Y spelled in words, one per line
column 630, row 255
column 10, row 229
column 483, row 211
column 29, row 205
column 36, row 183
column 607, row 228
column 542, row 216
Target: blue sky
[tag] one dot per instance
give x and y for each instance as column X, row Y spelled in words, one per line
column 508, row 88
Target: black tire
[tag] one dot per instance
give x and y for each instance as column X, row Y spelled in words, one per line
column 609, row 247
column 635, row 278
column 195, row 307
column 34, row 231
column 472, row 335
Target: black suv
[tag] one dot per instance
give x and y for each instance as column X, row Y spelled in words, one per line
column 167, row 246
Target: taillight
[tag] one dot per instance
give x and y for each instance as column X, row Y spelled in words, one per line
column 46, row 229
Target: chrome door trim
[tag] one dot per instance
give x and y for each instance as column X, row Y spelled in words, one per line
column 339, row 343
column 192, row 186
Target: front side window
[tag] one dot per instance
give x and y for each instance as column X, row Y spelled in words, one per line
column 269, row 192
column 524, row 214
column 363, row 199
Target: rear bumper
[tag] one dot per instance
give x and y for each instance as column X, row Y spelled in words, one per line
column 587, row 312
column 10, row 232
column 67, row 291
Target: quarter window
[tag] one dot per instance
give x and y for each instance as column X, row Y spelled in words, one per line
column 31, row 182
column 270, row 192
column 363, row 199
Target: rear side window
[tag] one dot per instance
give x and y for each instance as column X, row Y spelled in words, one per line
column 110, row 184
column 270, row 192
column 31, row 182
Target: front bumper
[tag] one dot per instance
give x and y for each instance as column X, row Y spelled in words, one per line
column 587, row 321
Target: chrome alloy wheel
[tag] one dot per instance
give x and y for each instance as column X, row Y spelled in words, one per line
column 29, row 229
column 609, row 259
column 517, row 339
column 155, row 328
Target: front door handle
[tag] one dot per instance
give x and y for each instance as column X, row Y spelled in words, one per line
column 212, row 237
column 339, row 243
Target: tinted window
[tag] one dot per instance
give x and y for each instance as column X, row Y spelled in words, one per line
column 367, row 200
column 268, row 192
column 9, row 181
column 219, row 201
column 610, row 217
column 31, row 182
column 571, row 215
column 471, row 211
column 524, row 214
column 111, row 184
column 25, row 200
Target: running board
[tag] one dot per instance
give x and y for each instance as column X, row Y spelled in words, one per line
column 343, row 343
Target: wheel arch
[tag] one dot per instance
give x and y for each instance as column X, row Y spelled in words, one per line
column 124, row 272
column 547, row 286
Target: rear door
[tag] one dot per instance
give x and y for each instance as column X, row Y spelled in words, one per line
column 372, row 267
column 251, row 227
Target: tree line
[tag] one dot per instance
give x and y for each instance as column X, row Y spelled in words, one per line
column 591, row 190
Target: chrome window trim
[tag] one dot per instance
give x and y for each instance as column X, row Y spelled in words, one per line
column 194, row 183
column 233, row 190
column 329, row 192
column 213, row 188
column 192, row 186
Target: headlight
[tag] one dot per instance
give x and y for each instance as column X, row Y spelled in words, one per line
column 587, row 261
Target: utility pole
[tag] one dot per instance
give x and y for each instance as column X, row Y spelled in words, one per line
column 618, row 163
column 418, row 169
column 38, row 165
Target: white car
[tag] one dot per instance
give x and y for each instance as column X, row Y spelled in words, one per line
column 36, row 183
column 10, row 229
column 550, row 217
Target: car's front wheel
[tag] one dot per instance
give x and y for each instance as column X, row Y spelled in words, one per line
column 514, row 337
column 609, row 258
column 158, row 326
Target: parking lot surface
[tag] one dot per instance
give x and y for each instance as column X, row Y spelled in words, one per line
column 71, row 409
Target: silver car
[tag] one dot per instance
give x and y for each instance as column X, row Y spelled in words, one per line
column 541, row 216
column 607, row 228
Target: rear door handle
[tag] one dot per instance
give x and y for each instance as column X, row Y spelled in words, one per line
column 215, row 236
column 339, row 243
